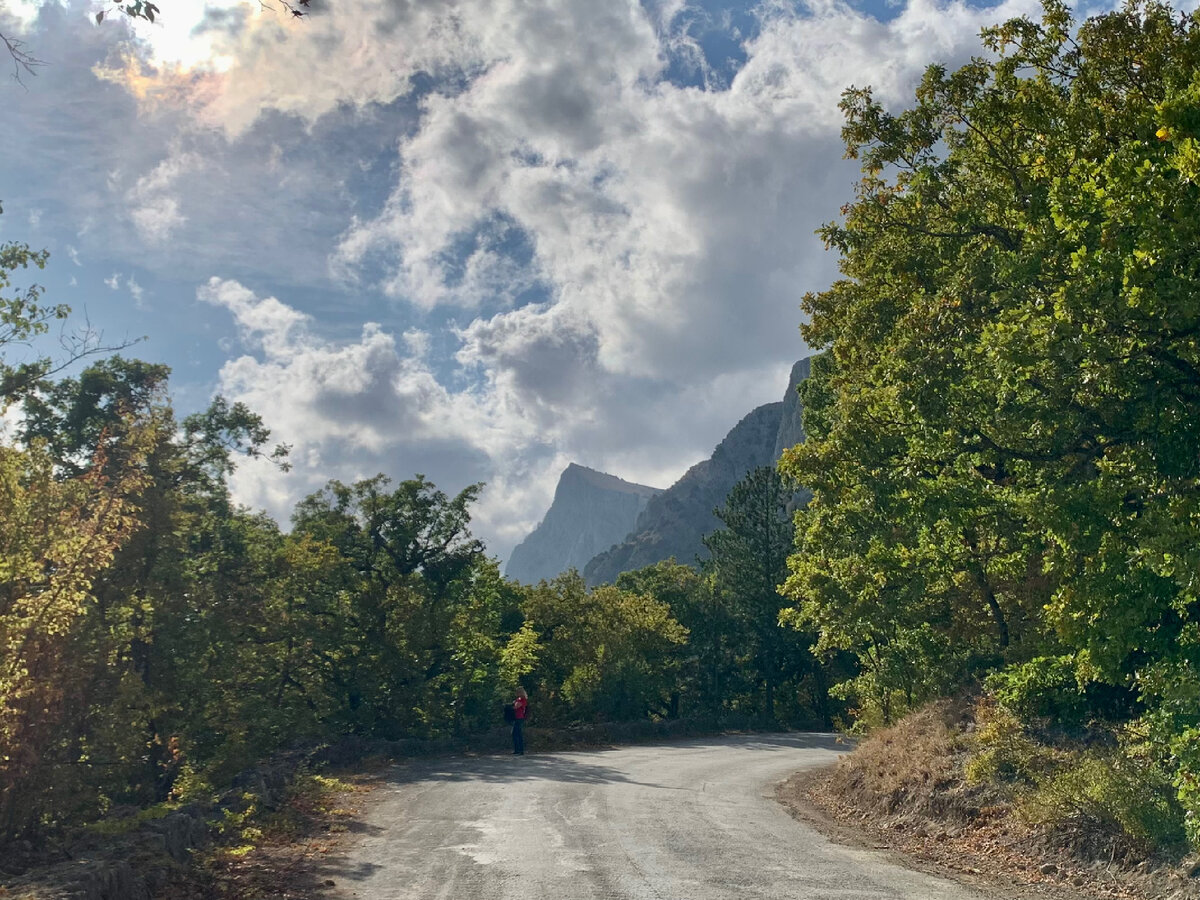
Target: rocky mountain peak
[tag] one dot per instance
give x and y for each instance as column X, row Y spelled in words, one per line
column 603, row 526
column 591, row 512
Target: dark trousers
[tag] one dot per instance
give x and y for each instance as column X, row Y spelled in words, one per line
column 518, row 736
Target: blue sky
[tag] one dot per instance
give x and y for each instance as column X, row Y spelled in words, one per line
column 476, row 239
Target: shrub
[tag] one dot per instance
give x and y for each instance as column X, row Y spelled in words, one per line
column 1114, row 789
column 1171, row 730
column 1187, row 780
column 1042, row 687
column 1003, row 751
column 1049, row 688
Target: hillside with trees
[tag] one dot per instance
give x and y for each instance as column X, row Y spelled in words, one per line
column 1004, row 435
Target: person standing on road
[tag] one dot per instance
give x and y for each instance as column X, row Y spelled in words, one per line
column 520, row 706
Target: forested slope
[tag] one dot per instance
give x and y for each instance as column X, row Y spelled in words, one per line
column 1004, row 435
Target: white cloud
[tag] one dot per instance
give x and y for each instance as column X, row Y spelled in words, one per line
column 355, row 407
column 153, row 206
column 156, row 218
column 583, row 260
column 672, row 224
column 350, row 408
column 669, row 230
column 137, row 292
column 12, row 417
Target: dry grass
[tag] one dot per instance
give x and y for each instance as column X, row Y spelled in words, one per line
column 913, row 771
column 906, row 787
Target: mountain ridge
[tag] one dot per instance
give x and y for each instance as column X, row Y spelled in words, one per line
column 675, row 521
column 591, row 510
column 667, row 523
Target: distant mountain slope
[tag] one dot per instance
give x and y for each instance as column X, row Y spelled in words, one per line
column 591, row 512
column 674, row 522
column 791, row 429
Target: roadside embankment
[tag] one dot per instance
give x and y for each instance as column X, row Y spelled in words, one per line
column 960, row 786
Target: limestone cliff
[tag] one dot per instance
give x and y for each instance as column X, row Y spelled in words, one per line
column 674, row 522
column 591, row 511
column 604, row 526
column 791, row 429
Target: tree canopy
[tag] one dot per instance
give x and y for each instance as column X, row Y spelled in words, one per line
column 1004, row 432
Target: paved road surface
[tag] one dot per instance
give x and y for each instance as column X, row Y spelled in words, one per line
column 687, row 821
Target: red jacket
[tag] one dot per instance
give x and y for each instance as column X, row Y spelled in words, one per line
column 519, row 707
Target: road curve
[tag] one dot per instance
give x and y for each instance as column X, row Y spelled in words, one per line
column 685, row 821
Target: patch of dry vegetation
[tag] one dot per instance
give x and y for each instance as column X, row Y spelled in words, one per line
column 958, row 784
column 912, row 772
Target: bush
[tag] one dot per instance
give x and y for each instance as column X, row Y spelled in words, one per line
column 1187, row 780
column 1049, row 688
column 1171, row 731
column 1003, row 751
column 1045, row 687
column 1114, row 790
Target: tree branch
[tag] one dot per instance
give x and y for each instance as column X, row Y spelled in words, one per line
column 21, row 57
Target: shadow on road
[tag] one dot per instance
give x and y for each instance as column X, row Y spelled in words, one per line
column 587, row 766
column 548, row 767
column 792, row 740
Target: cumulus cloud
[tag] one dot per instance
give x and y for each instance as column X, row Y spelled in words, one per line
column 366, row 394
column 109, row 146
column 350, row 408
column 674, row 225
column 610, row 234
column 507, row 234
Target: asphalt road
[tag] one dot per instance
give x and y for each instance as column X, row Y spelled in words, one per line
column 686, row 821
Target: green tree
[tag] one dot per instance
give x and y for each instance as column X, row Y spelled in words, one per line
column 177, row 625
column 709, row 667
column 417, row 583
column 24, row 317
column 56, row 537
column 1003, row 439
column 602, row 655
column 748, row 564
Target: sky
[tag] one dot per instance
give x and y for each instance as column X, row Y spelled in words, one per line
column 472, row 239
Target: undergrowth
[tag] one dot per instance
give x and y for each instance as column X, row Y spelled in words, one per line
column 1099, row 797
column 276, row 853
